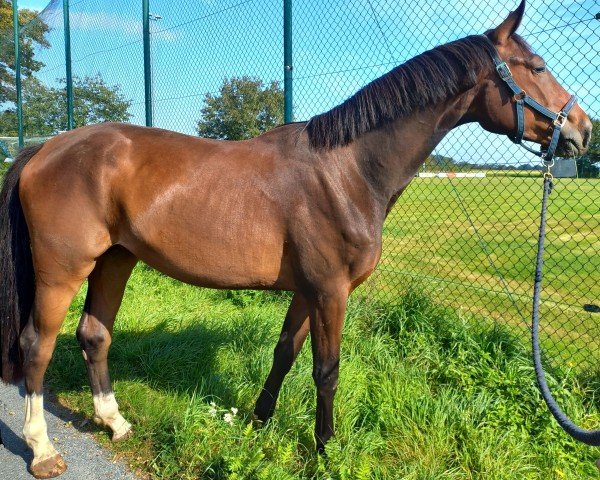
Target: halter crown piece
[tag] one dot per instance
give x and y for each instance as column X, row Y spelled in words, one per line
column 521, row 98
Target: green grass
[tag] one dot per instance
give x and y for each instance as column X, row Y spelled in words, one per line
column 429, row 224
column 427, row 237
column 513, row 173
column 425, row 392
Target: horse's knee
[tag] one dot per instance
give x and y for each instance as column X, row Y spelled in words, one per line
column 326, row 377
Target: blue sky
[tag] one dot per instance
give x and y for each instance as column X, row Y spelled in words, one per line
column 339, row 46
column 32, row 4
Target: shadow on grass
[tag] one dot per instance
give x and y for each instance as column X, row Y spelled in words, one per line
column 180, row 361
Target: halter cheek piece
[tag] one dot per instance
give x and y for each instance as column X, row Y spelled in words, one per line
column 521, row 98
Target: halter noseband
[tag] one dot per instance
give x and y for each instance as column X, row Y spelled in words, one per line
column 521, row 98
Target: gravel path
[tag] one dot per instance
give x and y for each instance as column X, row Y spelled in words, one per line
column 85, row 458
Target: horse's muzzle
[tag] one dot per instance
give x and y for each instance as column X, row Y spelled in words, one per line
column 575, row 142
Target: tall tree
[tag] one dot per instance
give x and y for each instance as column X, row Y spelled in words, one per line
column 32, row 37
column 95, row 102
column 588, row 165
column 244, row 108
column 45, row 109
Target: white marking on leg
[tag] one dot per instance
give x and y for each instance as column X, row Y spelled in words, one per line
column 35, row 429
column 107, row 414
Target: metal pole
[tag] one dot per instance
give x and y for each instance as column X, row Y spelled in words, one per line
column 147, row 65
column 67, row 27
column 288, row 105
column 18, row 72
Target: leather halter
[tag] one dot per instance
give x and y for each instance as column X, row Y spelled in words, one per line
column 521, row 98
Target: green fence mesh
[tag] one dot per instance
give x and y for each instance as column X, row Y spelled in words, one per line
column 465, row 229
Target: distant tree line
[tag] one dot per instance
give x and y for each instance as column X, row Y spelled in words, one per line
column 589, row 164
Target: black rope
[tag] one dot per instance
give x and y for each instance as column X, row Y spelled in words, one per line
column 589, row 437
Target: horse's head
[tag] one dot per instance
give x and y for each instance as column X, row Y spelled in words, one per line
column 497, row 100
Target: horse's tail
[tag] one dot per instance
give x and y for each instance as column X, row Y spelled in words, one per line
column 16, row 269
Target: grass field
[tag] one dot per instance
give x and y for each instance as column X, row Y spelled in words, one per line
column 425, row 392
column 429, row 238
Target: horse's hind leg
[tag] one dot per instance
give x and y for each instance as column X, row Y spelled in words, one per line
column 294, row 332
column 106, row 285
column 52, row 299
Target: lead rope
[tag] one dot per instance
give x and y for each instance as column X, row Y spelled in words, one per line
column 589, row 437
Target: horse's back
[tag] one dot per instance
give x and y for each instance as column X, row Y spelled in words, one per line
column 260, row 213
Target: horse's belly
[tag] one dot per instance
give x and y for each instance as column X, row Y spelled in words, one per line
column 240, row 250
column 219, row 265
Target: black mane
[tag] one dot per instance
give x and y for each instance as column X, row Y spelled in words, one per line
column 424, row 80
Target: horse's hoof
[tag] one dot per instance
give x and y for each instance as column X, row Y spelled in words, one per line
column 258, row 422
column 121, row 437
column 49, row 468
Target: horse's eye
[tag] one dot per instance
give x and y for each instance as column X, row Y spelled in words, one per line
column 540, row 69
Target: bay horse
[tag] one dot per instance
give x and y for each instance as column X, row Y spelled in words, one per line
column 299, row 208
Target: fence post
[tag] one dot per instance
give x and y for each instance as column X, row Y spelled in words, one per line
column 18, row 72
column 69, row 77
column 288, row 105
column 147, row 65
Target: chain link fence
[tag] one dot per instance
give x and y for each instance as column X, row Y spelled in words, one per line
column 465, row 229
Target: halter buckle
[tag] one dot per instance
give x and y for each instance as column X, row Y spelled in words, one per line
column 560, row 119
column 504, row 71
column 520, row 96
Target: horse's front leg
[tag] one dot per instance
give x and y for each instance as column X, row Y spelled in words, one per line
column 327, row 311
column 294, row 332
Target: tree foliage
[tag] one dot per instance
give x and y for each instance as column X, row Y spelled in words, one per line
column 33, row 36
column 588, row 165
column 439, row 163
column 45, row 108
column 244, row 108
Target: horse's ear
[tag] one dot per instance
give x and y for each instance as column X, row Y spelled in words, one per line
column 502, row 32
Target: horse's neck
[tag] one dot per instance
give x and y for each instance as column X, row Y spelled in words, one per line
column 390, row 157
